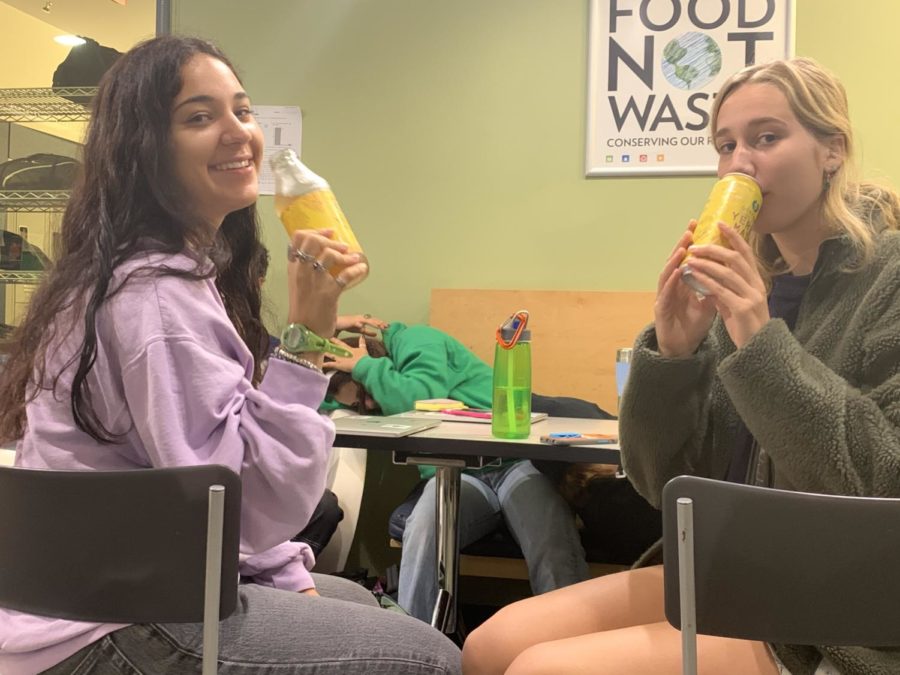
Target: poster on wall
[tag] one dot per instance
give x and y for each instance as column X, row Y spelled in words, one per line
column 654, row 69
column 282, row 127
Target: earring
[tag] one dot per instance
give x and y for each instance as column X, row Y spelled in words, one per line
column 826, row 179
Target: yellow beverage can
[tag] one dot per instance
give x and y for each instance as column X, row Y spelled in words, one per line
column 735, row 200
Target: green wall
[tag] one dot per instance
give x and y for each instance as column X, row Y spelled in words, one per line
column 453, row 134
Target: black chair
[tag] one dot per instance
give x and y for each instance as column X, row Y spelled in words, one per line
column 143, row 546
column 777, row 566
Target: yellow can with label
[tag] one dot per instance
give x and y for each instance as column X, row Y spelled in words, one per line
column 734, row 200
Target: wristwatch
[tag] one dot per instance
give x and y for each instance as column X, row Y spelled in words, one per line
column 297, row 338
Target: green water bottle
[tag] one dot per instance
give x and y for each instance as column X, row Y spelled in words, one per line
column 511, row 410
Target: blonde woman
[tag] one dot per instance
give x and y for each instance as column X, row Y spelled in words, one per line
column 787, row 374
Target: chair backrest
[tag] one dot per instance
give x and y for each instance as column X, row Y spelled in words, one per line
column 787, row 567
column 114, row 546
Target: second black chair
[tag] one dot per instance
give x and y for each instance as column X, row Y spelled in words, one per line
column 781, row 567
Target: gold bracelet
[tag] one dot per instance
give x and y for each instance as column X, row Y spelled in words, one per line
column 284, row 355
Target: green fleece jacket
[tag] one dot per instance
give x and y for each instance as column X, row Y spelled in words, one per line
column 823, row 403
column 424, row 362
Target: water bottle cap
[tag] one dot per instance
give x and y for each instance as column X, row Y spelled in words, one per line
column 284, row 155
column 513, row 330
column 507, row 333
column 305, row 178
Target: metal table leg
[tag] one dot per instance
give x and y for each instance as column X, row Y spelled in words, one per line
column 446, row 520
column 447, row 484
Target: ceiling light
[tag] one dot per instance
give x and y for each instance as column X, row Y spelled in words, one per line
column 47, row 6
column 69, row 40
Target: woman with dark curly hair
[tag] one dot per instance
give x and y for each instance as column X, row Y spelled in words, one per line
column 143, row 349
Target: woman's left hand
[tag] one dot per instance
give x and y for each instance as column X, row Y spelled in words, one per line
column 735, row 286
column 346, row 363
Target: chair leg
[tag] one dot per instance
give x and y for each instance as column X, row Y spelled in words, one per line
column 685, row 516
column 212, row 591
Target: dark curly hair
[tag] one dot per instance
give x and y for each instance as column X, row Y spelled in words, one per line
column 127, row 201
column 376, row 350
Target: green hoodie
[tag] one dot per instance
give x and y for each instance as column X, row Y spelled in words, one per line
column 424, row 362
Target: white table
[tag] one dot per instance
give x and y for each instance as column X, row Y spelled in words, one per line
column 454, row 446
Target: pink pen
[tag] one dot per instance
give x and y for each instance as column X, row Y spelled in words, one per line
column 468, row 413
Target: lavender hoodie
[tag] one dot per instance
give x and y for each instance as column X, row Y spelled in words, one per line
column 173, row 376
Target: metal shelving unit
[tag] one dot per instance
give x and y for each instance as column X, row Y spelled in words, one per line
column 49, row 104
column 33, row 200
column 46, row 104
column 21, row 277
column 70, row 104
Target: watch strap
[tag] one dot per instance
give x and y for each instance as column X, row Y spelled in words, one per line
column 309, row 342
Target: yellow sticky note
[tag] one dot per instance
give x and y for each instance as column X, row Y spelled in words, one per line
column 439, row 404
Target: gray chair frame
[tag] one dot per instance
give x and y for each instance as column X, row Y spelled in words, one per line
column 142, row 546
column 777, row 566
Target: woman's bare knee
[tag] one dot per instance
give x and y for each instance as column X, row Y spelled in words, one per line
column 653, row 649
column 540, row 659
column 483, row 652
column 606, row 603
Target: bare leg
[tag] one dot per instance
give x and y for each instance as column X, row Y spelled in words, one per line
column 650, row 649
column 606, row 603
column 613, row 624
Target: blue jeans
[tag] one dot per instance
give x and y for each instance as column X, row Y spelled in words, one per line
column 272, row 632
column 535, row 513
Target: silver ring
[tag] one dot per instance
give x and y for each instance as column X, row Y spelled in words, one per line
column 340, row 282
column 317, row 266
column 296, row 254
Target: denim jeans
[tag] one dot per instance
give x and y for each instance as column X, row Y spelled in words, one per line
column 535, row 513
column 280, row 633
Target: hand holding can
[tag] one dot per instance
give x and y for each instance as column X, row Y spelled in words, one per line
column 734, row 200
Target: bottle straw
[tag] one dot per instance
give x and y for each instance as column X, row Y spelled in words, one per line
column 510, row 399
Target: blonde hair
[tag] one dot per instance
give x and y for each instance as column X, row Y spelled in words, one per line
column 818, row 100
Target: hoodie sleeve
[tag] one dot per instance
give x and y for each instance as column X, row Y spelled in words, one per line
column 822, row 402
column 186, row 384
column 416, row 372
column 666, row 427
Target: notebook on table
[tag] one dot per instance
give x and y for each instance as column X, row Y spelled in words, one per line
column 393, row 426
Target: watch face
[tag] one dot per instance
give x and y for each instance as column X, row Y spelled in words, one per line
column 298, row 338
